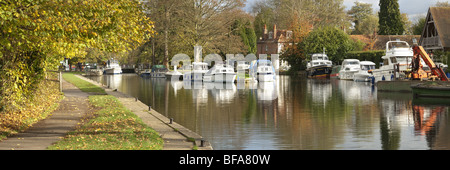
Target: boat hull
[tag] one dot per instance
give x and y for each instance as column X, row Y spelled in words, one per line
column 158, row 75
column 113, row 71
column 193, row 77
column 174, row 76
column 319, row 72
column 224, row 78
column 347, row 75
column 265, row 77
column 362, row 77
column 438, row 91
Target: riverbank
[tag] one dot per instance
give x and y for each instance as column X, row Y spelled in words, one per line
column 92, row 117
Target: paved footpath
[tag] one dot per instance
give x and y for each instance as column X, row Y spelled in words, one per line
column 75, row 105
column 48, row 131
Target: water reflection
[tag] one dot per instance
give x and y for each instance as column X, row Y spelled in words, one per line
column 294, row 113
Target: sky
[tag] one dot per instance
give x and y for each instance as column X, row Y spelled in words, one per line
column 414, row 8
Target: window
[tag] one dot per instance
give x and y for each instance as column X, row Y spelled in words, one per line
column 393, row 60
column 386, row 62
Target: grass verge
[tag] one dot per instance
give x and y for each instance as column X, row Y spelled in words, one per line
column 112, row 126
column 83, row 85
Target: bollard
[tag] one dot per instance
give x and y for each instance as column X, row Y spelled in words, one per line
column 135, row 99
column 171, row 121
column 149, row 108
column 202, row 143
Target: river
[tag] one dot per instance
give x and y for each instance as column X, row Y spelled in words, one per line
column 295, row 113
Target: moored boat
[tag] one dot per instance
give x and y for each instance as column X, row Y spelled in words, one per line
column 395, row 62
column 158, row 71
column 112, row 67
column 220, row 73
column 198, row 71
column 319, row 66
column 365, row 73
column 348, row 69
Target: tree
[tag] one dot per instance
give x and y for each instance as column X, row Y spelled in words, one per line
column 390, row 21
column 407, row 24
column 368, row 26
column 36, row 35
column 203, row 24
column 418, row 26
column 359, row 12
column 335, row 41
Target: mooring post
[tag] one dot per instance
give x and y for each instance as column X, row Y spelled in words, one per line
column 60, row 81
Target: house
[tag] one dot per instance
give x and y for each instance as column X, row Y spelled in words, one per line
column 273, row 42
column 436, row 32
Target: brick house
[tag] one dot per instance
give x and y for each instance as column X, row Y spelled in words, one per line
column 273, row 42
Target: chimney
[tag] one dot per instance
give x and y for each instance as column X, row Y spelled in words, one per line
column 265, row 29
column 274, row 31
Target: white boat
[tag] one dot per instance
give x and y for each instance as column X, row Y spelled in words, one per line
column 365, row 73
column 348, row 69
column 397, row 52
column 174, row 75
column 113, row 67
column 242, row 65
column 262, row 70
column 158, row 71
column 198, row 71
column 319, row 66
column 220, row 73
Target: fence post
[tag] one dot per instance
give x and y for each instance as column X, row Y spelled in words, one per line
column 60, row 81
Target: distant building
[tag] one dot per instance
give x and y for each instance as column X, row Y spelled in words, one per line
column 273, row 42
column 436, row 32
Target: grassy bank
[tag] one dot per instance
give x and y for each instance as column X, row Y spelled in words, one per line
column 45, row 100
column 111, row 126
column 83, row 85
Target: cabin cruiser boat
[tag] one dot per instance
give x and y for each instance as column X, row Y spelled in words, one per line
column 319, row 66
column 365, row 73
column 348, row 69
column 112, row 67
column 262, row 70
column 398, row 53
column 158, row 71
column 220, row 73
column 198, row 71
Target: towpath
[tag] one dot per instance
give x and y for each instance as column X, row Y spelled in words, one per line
column 75, row 105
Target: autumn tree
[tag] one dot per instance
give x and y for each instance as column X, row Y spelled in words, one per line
column 36, row 35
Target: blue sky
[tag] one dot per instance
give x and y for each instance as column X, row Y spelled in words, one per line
column 413, row 8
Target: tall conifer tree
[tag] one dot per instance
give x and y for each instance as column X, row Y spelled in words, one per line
column 390, row 22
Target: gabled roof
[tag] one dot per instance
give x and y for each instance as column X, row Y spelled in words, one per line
column 441, row 16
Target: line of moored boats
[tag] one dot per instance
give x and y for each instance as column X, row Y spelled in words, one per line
column 396, row 62
column 257, row 70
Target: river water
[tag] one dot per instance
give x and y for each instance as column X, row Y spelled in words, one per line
column 295, row 113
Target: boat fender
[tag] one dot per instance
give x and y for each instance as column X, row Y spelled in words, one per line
column 382, row 78
column 392, row 77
